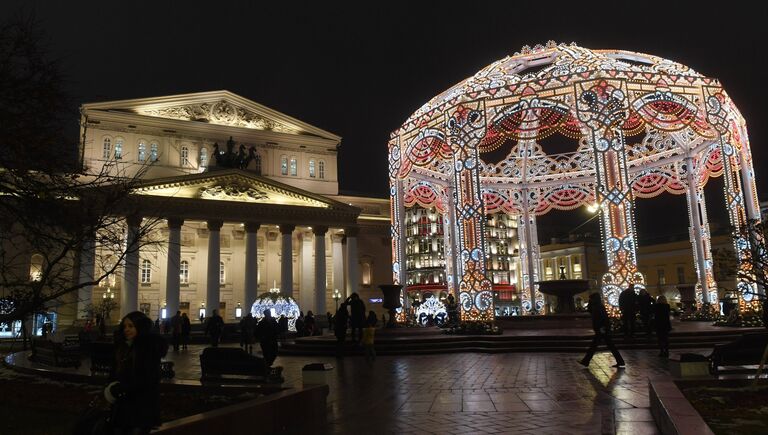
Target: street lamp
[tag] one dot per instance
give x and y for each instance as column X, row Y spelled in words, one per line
column 336, row 297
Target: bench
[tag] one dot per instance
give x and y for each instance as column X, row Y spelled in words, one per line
column 218, row 363
column 65, row 354
column 747, row 350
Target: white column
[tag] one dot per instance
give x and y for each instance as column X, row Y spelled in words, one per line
column 212, row 296
column 353, row 273
column 172, row 288
column 129, row 290
column 286, row 259
column 337, row 255
column 320, row 289
column 692, row 195
column 251, row 284
column 306, row 289
column 87, row 264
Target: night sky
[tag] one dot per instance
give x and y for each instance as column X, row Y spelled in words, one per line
column 360, row 70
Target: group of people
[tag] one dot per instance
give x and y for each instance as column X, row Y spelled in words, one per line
column 180, row 328
column 351, row 314
column 629, row 305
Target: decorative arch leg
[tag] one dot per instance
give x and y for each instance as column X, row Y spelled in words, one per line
column 734, row 200
column 465, row 127
column 449, row 242
column 706, row 288
column 532, row 299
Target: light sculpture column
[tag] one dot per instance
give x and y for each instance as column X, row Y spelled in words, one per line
column 750, row 190
column 449, row 240
column 717, row 117
column 706, row 290
column 129, row 291
column 465, row 127
column 251, row 264
column 320, row 289
column 172, row 278
column 601, row 108
column 213, row 281
column 532, row 300
column 286, row 260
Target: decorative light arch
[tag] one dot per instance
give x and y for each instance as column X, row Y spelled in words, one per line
column 604, row 99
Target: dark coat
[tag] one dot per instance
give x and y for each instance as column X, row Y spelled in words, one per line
column 628, row 301
column 186, row 325
column 357, row 315
column 267, row 330
column 645, row 303
column 340, row 320
column 137, row 371
column 215, row 325
column 599, row 317
column 661, row 318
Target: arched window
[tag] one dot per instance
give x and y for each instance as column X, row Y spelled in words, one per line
column 321, row 169
column 293, row 167
column 36, row 268
column 184, row 272
column 311, row 168
column 366, row 273
column 142, row 151
column 146, row 271
column 153, row 152
column 257, row 164
column 184, row 155
column 283, row 165
column 203, row 157
column 118, row 149
column 222, row 275
column 107, row 150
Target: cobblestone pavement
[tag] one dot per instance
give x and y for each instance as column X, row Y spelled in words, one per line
column 541, row 393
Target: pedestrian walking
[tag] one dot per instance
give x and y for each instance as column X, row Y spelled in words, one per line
column 368, row 338
column 356, row 316
column 602, row 327
column 662, row 323
column 267, row 331
column 340, row 328
column 247, row 331
column 628, row 308
column 373, row 319
column 214, row 327
column 186, row 329
column 135, row 388
column 176, row 331
column 645, row 306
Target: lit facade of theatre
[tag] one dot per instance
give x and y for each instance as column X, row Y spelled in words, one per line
column 226, row 232
column 639, row 126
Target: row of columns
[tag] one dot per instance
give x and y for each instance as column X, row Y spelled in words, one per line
column 130, row 279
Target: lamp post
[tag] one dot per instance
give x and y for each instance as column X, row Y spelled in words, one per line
column 336, row 297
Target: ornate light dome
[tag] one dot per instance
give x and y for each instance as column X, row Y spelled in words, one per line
column 279, row 305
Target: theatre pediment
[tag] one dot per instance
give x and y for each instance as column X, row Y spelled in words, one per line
column 220, row 112
column 215, row 107
column 234, row 185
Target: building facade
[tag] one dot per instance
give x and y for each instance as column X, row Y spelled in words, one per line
column 249, row 201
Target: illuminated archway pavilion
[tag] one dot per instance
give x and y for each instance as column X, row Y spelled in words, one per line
column 640, row 125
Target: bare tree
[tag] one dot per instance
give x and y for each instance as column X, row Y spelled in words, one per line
column 50, row 209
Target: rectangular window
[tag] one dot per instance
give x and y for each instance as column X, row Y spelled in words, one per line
column 184, row 272
column 680, row 275
column 146, row 272
column 142, row 151
column 184, row 156
column 222, row 276
column 293, row 167
column 283, row 165
column 321, row 169
column 662, row 278
column 312, row 169
column 107, row 151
